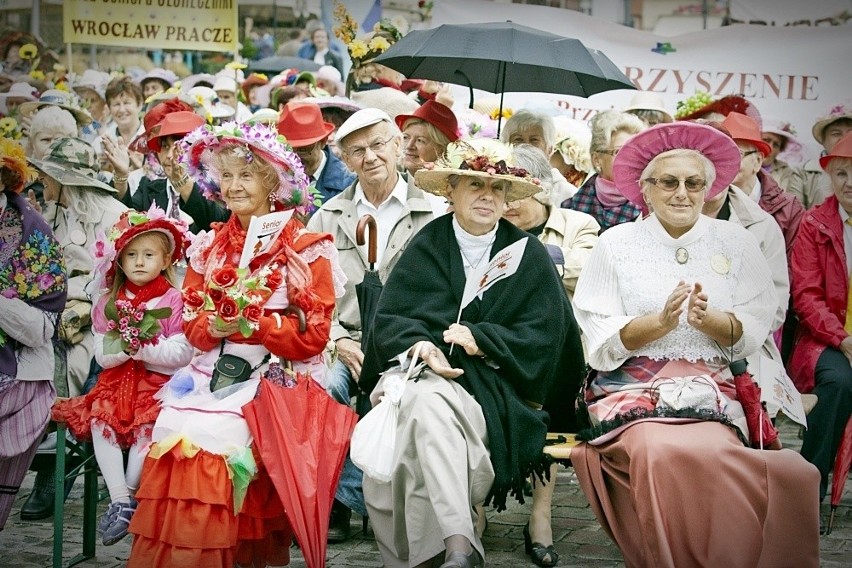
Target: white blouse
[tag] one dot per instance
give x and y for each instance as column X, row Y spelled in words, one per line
column 634, row 268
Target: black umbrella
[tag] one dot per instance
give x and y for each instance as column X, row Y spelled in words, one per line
column 502, row 57
column 369, row 289
column 278, row 63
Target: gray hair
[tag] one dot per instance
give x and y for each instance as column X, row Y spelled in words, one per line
column 454, row 179
column 531, row 159
column 526, row 119
column 51, row 118
column 608, row 122
column 88, row 203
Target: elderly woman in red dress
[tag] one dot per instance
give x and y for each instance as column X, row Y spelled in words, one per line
column 193, row 510
column 822, row 354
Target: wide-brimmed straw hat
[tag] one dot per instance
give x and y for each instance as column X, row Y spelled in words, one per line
column 72, row 161
column 481, row 157
column 13, row 158
column 833, row 114
column 641, row 148
column 130, row 225
column 438, row 115
column 62, row 99
column 262, row 142
column 843, row 149
column 745, row 129
column 302, row 124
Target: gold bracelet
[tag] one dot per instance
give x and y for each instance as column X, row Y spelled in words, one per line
column 119, row 179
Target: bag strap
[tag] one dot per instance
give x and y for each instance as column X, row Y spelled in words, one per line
column 413, row 364
column 256, row 367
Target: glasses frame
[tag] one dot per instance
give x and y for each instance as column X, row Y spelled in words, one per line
column 360, row 152
column 744, row 155
column 680, row 182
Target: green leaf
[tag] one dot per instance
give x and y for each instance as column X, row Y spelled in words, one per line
column 110, row 311
column 244, row 328
column 159, row 313
column 113, row 344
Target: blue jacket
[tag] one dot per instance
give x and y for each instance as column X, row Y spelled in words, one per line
column 335, row 176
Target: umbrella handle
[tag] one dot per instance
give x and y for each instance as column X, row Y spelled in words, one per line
column 364, row 222
column 297, row 311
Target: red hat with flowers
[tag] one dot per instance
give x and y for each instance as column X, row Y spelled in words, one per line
column 697, row 106
column 130, row 225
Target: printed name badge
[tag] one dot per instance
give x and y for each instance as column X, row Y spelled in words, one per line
column 720, row 264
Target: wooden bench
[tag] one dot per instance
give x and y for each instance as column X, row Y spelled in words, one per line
column 559, row 446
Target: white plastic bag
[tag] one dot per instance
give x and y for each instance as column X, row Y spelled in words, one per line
column 373, row 444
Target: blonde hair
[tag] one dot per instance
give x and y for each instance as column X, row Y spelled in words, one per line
column 169, row 272
column 437, row 137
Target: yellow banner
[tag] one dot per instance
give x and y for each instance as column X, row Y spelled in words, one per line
column 206, row 25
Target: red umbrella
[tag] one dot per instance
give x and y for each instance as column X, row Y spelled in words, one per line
column 762, row 432
column 302, row 435
column 842, row 462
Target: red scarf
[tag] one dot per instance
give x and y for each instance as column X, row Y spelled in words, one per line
column 141, row 294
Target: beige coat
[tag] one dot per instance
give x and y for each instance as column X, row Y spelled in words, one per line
column 338, row 216
column 76, row 242
column 810, row 184
column 576, row 233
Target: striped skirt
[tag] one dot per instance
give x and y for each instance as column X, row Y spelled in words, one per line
column 24, row 413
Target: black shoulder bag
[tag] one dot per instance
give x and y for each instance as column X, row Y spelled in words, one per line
column 230, row 369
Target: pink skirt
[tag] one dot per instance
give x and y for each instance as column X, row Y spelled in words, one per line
column 693, row 495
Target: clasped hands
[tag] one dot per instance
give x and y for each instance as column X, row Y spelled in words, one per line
column 691, row 298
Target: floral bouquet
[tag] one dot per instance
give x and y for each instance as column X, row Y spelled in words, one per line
column 234, row 294
column 130, row 326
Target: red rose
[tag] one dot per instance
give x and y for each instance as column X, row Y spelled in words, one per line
column 228, row 309
column 193, row 299
column 252, row 312
column 225, row 277
column 274, row 280
column 216, row 296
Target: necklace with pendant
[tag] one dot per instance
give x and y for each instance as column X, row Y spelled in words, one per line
column 681, row 255
column 481, row 256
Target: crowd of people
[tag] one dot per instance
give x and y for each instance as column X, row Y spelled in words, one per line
column 624, row 273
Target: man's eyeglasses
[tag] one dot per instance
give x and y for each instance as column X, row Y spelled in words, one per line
column 744, row 155
column 612, row 153
column 671, row 183
column 359, row 152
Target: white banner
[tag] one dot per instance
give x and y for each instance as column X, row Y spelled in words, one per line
column 789, row 12
column 789, row 73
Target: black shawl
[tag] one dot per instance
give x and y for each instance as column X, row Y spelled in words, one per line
column 521, row 324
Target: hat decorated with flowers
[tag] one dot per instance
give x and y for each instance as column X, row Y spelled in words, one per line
column 258, row 141
column 480, row 157
column 701, row 104
column 833, row 114
column 14, row 161
column 131, row 224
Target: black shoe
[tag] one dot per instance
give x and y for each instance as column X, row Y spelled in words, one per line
column 338, row 526
column 39, row 504
column 541, row 555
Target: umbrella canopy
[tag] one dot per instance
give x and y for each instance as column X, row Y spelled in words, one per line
column 302, row 435
column 370, row 288
column 277, row 63
column 842, row 462
column 504, row 57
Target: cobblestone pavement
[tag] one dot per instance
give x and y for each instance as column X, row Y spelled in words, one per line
column 578, row 537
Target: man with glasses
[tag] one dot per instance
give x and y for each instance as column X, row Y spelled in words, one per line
column 370, row 144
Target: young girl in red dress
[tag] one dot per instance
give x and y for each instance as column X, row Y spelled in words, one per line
column 139, row 342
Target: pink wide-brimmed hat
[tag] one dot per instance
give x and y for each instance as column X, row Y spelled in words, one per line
column 641, row 148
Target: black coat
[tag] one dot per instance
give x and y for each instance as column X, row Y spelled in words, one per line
column 202, row 210
column 523, row 324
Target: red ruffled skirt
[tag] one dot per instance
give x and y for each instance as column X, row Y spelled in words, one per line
column 123, row 399
column 185, row 516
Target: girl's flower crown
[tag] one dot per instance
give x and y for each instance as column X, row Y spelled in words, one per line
column 256, row 140
column 13, row 158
